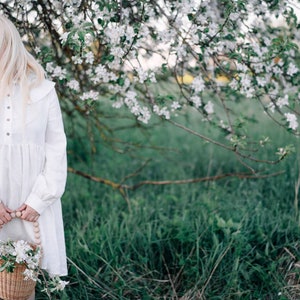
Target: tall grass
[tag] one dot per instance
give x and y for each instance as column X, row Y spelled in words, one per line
column 229, row 239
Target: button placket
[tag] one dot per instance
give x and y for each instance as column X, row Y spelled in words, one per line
column 7, row 119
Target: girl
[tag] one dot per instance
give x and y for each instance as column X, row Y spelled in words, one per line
column 33, row 164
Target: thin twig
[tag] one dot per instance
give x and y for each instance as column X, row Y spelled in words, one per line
column 232, row 149
column 136, row 172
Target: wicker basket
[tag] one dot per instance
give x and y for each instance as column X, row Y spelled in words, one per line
column 13, row 286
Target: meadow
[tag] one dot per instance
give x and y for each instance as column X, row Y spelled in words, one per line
column 227, row 239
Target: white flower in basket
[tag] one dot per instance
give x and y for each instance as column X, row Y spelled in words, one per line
column 20, row 252
column 19, row 271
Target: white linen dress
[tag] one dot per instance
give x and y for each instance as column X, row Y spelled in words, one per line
column 33, row 169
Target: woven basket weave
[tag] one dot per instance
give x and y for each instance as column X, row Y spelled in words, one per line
column 13, row 286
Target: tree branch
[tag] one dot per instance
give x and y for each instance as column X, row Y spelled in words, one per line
column 122, row 188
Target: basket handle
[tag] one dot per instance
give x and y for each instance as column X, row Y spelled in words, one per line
column 36, row 227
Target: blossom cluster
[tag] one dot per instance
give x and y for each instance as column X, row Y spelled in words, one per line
column 231, row 51
column 199, row 36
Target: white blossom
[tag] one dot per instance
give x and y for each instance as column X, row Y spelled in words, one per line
column 91, row 95
column 292, row 69
column 281, row 151
column 292, row 120
column 261, row 81
column 234, row 16
column 271, row 107
column 88, row 39
column 144, row 115
column 234, row 84
column 283, row 101
column 89, row 57
column 277, row 70
column 61, row 284
column 213, row 28
column 117, row 52
column 164, row 112
column 76, row 20
column 180, row 51
column 104, row 14
column 21, row 247
column 209, row 107
column 103, row 75
column 77, row 60
column 37, row 50
column 74, row 85
column 142, row 75
column 196, row 100
column 175, row 105
column 152, row 77
column 49, row 67
column 198, row 84
column 70, row 10
column 64, row 37
column 59, row 72
column 71, row 2
column 30, row 275
column 114, row 34
column 245, row 81
column 75, row 37
column 129, row 34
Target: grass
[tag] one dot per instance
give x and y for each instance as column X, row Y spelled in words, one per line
column 228, row 239
column 221, row 244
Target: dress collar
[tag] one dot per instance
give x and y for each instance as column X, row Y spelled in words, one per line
column 41, row 91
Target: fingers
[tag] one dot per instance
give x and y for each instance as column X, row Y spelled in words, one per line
column 22, row 207
column 5, row 217
column 29, row 208
column 4, row 214
column 29, row 214
column 30, row 218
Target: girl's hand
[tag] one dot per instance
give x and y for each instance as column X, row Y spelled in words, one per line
column 28, row 213
column 4, row 214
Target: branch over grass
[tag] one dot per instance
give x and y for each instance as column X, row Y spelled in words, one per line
column 122, row 188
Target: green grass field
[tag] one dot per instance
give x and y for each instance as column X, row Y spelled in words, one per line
column 227, row 239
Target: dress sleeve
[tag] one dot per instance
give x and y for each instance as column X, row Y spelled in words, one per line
column 50, row 184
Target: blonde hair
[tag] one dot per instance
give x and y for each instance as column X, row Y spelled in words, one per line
column 17, row 65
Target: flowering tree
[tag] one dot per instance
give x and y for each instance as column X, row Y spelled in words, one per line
column 217, row 54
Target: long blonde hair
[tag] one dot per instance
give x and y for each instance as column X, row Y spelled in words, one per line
column 17, row 65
